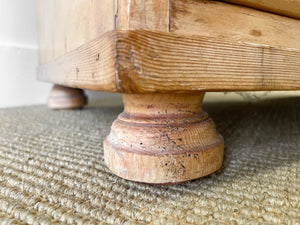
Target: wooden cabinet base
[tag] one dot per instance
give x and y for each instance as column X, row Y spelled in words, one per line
column 162, row 139
column 62, row 97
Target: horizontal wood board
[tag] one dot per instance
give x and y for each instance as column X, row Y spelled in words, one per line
column 161, row 62
column 233, row 23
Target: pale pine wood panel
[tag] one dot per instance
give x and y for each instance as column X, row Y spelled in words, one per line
column 141, row 14
column 64, row 25
column 91, row 66
column 234, row 23
column 289, row 8
column 149, row 62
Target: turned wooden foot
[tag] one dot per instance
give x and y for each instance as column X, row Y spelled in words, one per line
column 163, row 138
column 62, row 97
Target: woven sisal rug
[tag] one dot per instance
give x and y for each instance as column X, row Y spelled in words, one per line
column 52, row 170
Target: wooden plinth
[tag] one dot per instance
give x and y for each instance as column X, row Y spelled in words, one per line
column 62, row 97
column 163, row 138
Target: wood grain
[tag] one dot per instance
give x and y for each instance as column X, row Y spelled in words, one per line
column 65, row 25
column 139, row 14
column 163, row 138
column 233, row 23
column 149, row 62
column 91, row 66
column 289, row 8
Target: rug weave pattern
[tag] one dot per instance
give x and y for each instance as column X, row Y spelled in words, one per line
column 52, row 170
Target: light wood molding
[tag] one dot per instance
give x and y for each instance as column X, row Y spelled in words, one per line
column 233, row 23
column 289, row 8
column 91, row 66
column 148, row 62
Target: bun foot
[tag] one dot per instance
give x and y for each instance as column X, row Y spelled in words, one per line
column 163, row 139
column 62, row 97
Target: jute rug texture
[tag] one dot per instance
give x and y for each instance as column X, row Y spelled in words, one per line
column 52, row 170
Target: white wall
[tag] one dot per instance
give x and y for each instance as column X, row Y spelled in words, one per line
column 19, row 55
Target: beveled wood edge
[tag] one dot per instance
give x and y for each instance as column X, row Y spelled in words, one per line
column 281, row 7
column 91, row 66
column 141, row 61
